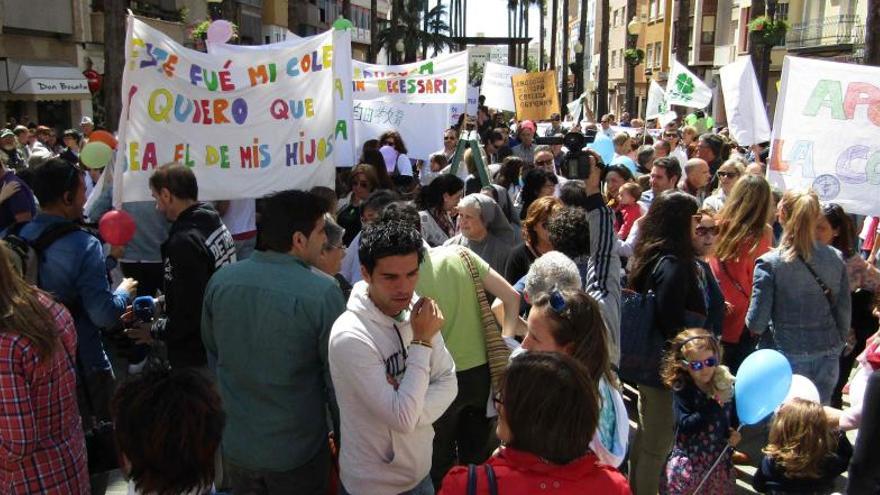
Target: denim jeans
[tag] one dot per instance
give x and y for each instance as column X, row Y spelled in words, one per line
column 310, row 478
column 821, row 368
column 425, row 487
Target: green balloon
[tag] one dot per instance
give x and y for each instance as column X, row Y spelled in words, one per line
column 710, row 122
column 342, row 24
column 96, row 154
column 691, row 119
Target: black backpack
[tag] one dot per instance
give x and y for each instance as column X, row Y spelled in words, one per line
column 28, row 254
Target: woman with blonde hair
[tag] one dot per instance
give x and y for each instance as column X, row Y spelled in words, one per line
column 728, row 174
column 41, row 443
column 801, row 292
column 743, row 236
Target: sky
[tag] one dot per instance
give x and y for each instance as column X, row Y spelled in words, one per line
column 490, row 18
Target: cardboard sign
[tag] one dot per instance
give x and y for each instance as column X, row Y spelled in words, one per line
column 535, row 95
column 497, row 86
column 825, row 133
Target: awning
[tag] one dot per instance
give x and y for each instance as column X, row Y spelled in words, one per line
column 41, row 81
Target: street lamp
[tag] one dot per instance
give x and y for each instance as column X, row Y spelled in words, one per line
column 633, row 29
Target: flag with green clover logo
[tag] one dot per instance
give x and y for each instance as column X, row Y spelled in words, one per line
column 686, row 89
column 657, row 107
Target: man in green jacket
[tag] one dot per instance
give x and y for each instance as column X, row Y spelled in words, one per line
column 266, row 321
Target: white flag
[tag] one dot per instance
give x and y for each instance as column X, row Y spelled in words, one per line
column 686, row 89
column 746, row 115
column 657, row 107
column 576, row 106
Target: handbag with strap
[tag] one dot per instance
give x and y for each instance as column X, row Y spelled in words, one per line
column 497, row 352
column 490, row 478
column 641, row 343
column 101, row 449
column 825, row 290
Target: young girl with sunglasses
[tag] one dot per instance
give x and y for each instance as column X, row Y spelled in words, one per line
column 705, row 417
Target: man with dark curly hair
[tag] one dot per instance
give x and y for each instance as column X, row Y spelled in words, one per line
column 391, row 371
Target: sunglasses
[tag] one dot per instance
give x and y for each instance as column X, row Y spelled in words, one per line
column 698, row 365
column 541, row 163
column 671, row 136
column 360, row 183
column 389, row 143
column 704, row 231
column 728, row 174
column 449, row 138
column 557, row 302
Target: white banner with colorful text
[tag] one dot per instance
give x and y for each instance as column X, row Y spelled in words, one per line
column 440, row 79
column 248, row 123
column 825, row 133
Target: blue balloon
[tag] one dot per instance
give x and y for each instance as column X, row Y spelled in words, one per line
column 604, row 146
column 762, row 383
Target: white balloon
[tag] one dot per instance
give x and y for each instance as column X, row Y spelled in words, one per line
column 802, row 388
column 220, row 31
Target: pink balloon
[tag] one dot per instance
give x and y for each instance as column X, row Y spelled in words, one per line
column 220, row 31
column 116, row 227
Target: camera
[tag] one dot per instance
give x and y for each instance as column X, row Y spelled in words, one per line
column 144, row 308
column 575, row 163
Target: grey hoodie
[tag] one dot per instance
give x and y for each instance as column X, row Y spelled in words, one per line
column 386, row 431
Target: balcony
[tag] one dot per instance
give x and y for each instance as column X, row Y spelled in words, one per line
column 841, row 33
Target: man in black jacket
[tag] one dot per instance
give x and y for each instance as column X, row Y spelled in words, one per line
column 198, row 244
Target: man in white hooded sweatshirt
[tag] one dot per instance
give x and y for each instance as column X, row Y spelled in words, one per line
column 391, row 371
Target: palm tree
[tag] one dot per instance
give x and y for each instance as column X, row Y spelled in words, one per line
column 872, row 34
column 553, row 29
column 602, row 97
column 374, row 33
column 526, row 6
column 114, row 54
column 346, row 9
column 581, row 57
column 511, row 30
column 406, row 27
column 542, row 8
column 565, row 32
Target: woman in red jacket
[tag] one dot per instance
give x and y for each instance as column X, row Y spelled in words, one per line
column 548, row 409
column 743, row 236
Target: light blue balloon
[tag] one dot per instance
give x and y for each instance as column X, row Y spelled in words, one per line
column 604, row 146
column 762, row 384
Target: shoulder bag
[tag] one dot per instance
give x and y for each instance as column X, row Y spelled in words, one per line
column 490, row 478
column 641, row 343
column 497, row 352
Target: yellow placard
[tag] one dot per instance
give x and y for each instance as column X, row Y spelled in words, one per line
column 535, row 95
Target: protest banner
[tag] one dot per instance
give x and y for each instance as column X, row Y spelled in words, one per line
column 535, row 95
column 441, row 79
column 247, row 123
column 657, row 107
column 347, row 149
column 746, row 115
column 456, row 109
column 420, row 125
column 497, row 86
column 686, row 89
column 825, row 132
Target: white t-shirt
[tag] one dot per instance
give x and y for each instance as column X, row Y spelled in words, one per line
column 241, row 216
column 404, row 166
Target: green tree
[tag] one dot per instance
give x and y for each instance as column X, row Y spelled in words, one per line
column 406, row 26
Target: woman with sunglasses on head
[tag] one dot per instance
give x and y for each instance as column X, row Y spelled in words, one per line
column 801, row 291
column 728, row 174
column 363, row 181
column 436, row 202
column 743, row 236
column 548, row 406
column 705, row 418
column 664, row 261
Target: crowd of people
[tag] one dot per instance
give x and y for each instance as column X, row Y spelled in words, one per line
column 420, row 329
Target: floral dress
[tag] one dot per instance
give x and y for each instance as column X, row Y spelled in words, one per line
column 701, row 433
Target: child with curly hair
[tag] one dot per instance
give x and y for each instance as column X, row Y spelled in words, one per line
column 705, row 417
column 803, row 454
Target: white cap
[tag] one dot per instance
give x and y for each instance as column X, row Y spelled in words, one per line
column 86, row 120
